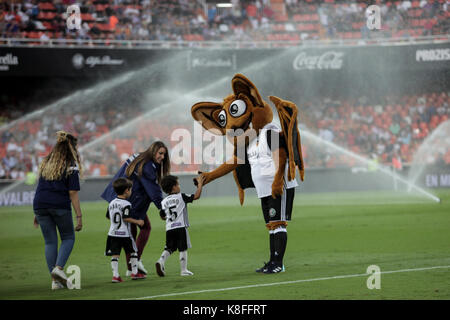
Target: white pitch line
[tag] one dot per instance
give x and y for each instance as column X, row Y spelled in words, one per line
column 284, row 282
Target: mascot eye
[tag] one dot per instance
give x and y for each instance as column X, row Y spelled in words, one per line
column 237, row 108
column 222, row 118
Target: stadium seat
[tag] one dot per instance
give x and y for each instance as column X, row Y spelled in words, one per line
column 2, row 151
column 34, row 35
column 422, row 22
column 46, row 6
column 278, row 27
column 188, row 37
column 103, row 170
column 271, row 37
column 47, row 25
column 297, row 17
column 104, row 27
column 312, row 8
column 348, row 35
column 41, row 15
column 414, row 22
column 87, row 17
column 281, row 17
column 314, row 17
column 46, row 15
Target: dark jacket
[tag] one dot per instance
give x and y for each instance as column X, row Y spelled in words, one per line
column 145, row 188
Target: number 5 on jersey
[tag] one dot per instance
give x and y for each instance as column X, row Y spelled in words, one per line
column 173, row 214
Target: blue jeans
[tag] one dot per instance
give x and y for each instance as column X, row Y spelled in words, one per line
column 49, row 220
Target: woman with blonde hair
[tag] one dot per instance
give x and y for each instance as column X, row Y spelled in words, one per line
column 57, row 189
column 145, row 169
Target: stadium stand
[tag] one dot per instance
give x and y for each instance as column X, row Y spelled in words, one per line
column 183, row 20
column 386, row 131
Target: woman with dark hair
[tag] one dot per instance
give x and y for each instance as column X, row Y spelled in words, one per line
column 145, row 169
column 57, row 188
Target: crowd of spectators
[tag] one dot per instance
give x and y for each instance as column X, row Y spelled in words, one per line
column 25, row 142
column 348, row 19
column 389, row 132
column 246, row 20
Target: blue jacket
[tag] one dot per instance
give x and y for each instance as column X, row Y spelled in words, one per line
column 145, row 188
column 55, row 194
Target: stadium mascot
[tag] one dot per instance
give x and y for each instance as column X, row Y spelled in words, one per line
column 265, row 155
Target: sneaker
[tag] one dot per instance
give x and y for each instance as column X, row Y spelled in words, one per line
column 116, row 280
column 263, row 267
column 160, row 268
column 60, row 276
column 273, row 267
column 56, row 285
column 138, row 276
column 186, row 273
column 141, row 268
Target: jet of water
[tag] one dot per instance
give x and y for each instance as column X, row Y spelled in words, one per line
column 89, row 94
column 103, row 92
column 317, row 140
column 439, row 138
column 183, row 99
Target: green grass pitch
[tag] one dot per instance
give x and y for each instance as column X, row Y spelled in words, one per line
column 330, row 235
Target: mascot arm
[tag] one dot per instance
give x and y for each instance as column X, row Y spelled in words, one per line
column 222, row 170
column 241, row 192
column 280, row 157
column 279, row 149
column 287, row 113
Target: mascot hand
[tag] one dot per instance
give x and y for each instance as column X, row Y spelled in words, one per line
column 205, row 175
column 277, row 188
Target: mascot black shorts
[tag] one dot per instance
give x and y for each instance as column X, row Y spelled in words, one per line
column 280, row 208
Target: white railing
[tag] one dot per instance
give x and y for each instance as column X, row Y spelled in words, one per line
column 145, row 44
